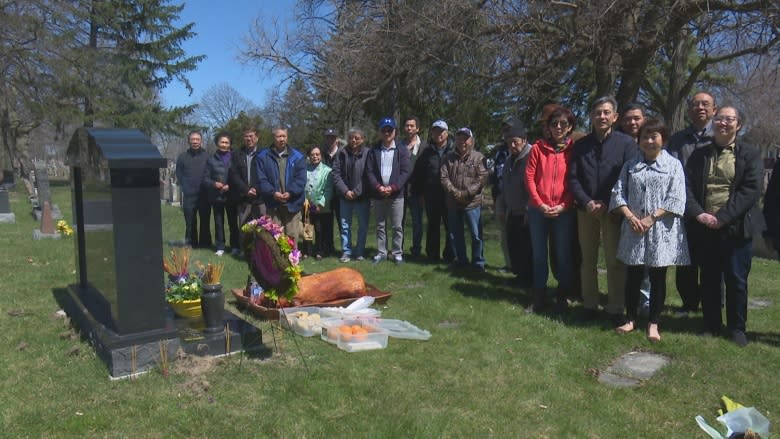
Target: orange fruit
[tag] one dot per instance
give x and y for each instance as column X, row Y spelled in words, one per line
column 346, row 332
column 359, row 334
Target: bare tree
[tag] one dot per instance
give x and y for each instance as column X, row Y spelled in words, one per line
column 221, row 103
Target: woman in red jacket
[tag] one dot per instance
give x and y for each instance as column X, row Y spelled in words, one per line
column 550, row 213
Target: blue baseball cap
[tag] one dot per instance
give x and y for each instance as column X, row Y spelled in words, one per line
column 387, row 122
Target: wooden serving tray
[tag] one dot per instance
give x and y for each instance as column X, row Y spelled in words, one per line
column 273, row 313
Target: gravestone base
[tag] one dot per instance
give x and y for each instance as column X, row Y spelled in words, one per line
column 7, row 218
column 38, row 235
column 56, row 214
column 133, row 354
column 238, row 336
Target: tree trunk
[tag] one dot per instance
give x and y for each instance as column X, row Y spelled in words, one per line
column 674, row 108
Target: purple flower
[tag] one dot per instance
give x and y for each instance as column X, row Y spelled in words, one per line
column 295, row 256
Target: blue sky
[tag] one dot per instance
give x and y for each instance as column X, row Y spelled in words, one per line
column 221, row 27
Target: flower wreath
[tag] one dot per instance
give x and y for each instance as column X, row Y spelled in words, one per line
column 273, row 258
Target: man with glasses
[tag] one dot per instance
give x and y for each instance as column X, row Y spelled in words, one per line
column 701, row 108
column 387, row 171
column 724, row 181
column 594, row 169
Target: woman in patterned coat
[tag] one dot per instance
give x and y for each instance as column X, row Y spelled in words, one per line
column 650, row 194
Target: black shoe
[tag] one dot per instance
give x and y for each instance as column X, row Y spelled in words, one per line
column 479, row 268
column 739, row 338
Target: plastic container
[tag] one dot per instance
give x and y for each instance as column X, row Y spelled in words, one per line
column 354, row 335
column 345, row 313
column 304, row 321
column 402, row 329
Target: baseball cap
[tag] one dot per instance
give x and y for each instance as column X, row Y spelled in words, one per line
column 331, row 132
column 465, row 131
column 440, row 124
column 387, row 122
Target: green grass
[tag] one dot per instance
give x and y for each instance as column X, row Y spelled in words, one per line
column 493, row 371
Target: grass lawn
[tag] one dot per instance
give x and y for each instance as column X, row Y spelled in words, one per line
column 489, row 370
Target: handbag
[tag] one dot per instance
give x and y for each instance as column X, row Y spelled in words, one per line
column 308, row 227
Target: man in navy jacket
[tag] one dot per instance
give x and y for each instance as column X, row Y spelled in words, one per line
column 387, row 170
column 594, row 169
column 281, row 182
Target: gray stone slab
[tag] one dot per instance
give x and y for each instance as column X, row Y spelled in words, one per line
column 639, row 365
column 759, row 303
column 615, row 380
column 7, row 218
column 38, row 235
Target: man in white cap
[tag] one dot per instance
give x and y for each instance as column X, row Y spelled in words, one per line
column 463, row 176
column 426, row 181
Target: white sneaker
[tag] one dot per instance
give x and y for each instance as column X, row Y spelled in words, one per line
column 219, row 252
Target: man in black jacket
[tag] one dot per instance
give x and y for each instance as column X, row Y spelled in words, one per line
column 242, row 179
column 426, row 181
column 594, row 169
column 701, row 108
column 190, row 166
column 724, row 182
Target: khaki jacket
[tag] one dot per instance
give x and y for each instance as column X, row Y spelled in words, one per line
column 463, row 179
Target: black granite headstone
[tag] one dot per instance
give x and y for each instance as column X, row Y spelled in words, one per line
column 119, row 298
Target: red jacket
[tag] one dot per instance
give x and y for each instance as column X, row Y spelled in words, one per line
column 545, row 175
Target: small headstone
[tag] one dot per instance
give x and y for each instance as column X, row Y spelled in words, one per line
column 6, row 216
column 759, row 303
column 633, row 368
column 47, row 230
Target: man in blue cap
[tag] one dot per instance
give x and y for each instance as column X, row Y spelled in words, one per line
column 387, row 170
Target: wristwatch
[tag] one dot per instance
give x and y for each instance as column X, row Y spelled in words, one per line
column 654, row 217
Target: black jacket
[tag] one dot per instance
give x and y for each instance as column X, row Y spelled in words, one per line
column 241, row 180
column 426, row 175
column 349, row 172
column 595, row 166
column 189, row 171
column 744, row 194
column 772, row 207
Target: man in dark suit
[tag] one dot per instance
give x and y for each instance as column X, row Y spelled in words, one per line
column 190, row 166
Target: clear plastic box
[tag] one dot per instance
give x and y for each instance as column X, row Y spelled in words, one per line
column 304, row 321
column 362, row 335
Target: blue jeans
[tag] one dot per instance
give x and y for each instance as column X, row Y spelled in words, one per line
column 730, row 258
column 361, row 209
column 472, row 218
column 560, row 232
column 416, row 211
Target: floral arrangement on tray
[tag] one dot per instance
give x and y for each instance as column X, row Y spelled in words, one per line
column 273, row 259
column 182, row 285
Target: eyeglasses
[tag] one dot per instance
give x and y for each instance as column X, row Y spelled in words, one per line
column 560, row 123
column 727, row 119
column 387, row 130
